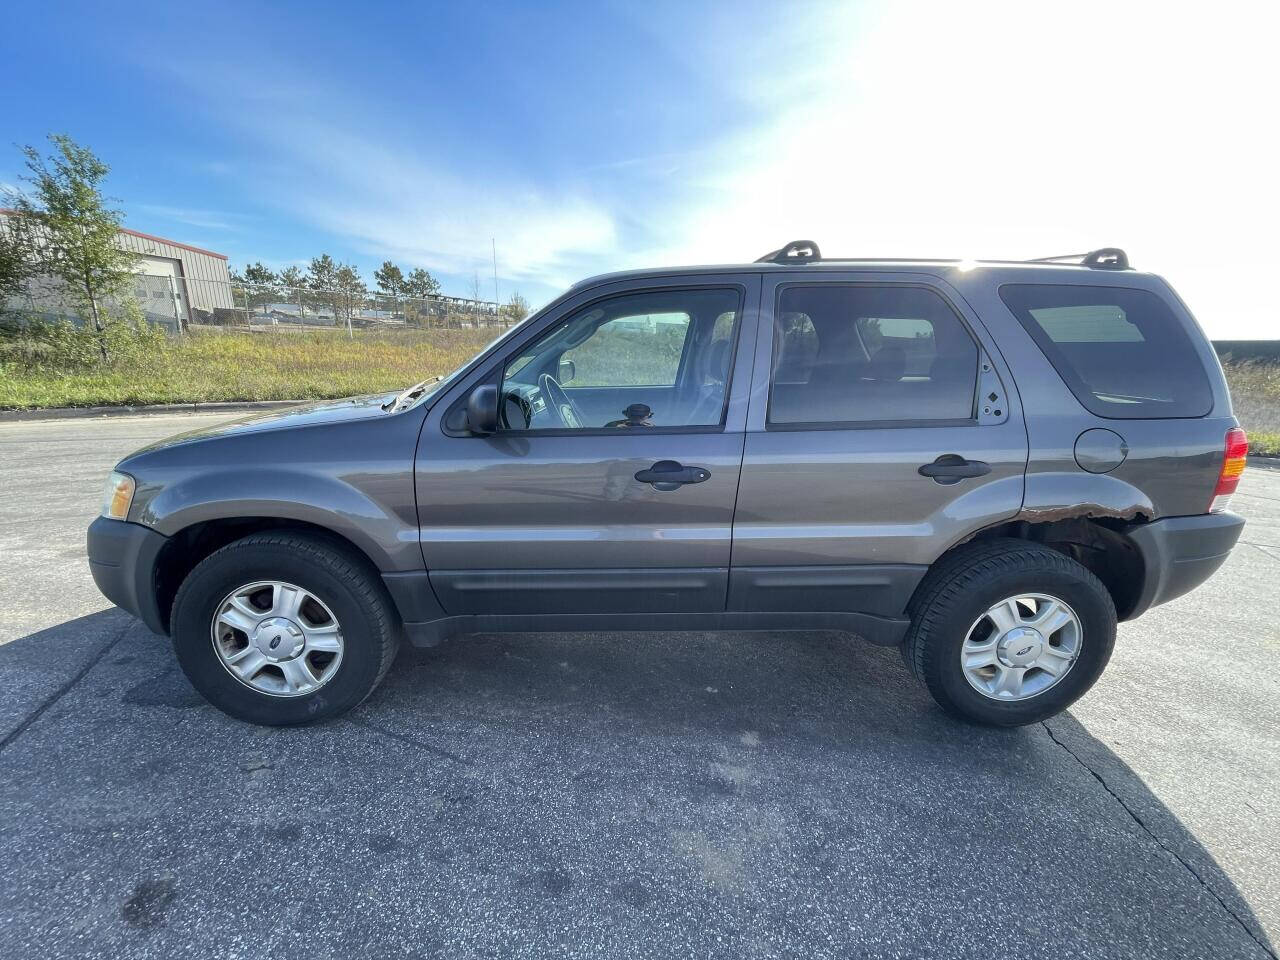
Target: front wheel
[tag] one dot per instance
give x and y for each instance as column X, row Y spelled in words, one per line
column 1007, row 632
column 283, row 628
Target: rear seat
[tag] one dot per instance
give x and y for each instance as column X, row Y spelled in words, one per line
column 867, row 391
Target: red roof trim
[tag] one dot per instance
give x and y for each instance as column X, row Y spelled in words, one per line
column 149, row 236
column 174, row 243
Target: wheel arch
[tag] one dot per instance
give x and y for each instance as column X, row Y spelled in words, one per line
column 192, row 543
column 1099, row 544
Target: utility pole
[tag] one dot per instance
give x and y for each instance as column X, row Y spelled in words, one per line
column 494, row 244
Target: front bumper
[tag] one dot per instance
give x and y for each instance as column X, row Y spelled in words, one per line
column 122, row 559
column 1180, row 553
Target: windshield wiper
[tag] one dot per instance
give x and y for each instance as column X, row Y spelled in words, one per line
column 413, row 393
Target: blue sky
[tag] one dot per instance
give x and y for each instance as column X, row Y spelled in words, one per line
column 600, row 136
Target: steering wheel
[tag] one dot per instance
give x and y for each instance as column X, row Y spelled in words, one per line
column 566, row 410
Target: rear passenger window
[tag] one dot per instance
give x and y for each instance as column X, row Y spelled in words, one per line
column 1122, row 351
column 867, row 354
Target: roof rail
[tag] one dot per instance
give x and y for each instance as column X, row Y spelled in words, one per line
column 1104, row 258
column 797, row 251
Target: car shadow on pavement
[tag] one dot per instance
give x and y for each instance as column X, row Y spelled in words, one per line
column 713, row 794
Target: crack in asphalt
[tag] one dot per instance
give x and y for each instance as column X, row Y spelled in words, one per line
column 1263, row 548
column 1262, row 945
column 63, row 690
column 410, row 741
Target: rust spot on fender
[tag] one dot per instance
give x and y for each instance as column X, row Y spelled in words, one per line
column 1088, row 511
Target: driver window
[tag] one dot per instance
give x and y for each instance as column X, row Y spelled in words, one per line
column 631, row 351
column 644, row 360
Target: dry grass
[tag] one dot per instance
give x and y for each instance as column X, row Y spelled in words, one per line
column 1255, row 395
column 210, row 366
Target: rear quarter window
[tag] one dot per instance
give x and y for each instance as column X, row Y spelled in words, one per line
column 1121, row 351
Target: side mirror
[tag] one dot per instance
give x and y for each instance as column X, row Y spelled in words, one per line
column 566, row 371
column 482, row 410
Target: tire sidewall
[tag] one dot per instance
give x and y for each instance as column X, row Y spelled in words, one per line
column 943, row 672
column 217, row 576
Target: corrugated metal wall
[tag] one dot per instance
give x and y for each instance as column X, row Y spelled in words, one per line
column 205, row 275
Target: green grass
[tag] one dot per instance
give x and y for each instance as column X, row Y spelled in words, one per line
column 214, row 366
column 1265, row 444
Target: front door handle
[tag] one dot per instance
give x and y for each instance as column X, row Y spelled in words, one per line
column 671, row 475
column 952, row 468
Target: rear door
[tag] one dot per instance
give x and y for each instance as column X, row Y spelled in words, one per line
column 610, row 487
column 880, row 432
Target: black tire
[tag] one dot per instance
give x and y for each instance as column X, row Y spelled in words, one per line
column 348, row 585
column 963, row 585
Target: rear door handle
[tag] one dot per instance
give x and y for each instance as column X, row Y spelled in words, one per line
column 952, row 468
column 671, row 474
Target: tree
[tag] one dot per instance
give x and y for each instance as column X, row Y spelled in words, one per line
column 390, row 279
column 15, row 258
column 260, row 275
column 74, row 230
column 291, row 283
column 322, row 278
column 347, row 279
column 261, row 284
column 322, row 273
column 515, row 309
column 421, row 284
column 350, row 289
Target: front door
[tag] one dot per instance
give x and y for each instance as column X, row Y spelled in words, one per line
column 881, row 432
column 610, row 484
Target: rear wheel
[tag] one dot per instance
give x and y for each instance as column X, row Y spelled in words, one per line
column 284, row 628
column 1007, row 632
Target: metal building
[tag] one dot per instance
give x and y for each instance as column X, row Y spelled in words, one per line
column 177, row 283
column 197, row 281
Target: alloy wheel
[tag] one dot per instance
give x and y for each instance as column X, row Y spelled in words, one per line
column 277, row 638
column 1021, row 647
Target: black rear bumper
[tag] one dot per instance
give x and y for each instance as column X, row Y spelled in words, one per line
column 1180, row 553
column 122, row 559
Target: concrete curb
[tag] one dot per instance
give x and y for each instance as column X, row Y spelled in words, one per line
column 65, row 413
column 1268, row 463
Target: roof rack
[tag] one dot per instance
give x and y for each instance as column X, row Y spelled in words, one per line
column 797, row 251
column 1104, row 258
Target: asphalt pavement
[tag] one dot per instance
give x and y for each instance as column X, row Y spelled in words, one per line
column 649, row 795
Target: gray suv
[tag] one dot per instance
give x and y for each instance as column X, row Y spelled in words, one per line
column 984, row 464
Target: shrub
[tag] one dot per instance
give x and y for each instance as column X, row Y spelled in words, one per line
column 38, row 342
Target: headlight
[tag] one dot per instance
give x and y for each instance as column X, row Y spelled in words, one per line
column 117, row 497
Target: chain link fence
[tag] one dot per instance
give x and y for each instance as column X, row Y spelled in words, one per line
column 182, row 304
column 242, row 306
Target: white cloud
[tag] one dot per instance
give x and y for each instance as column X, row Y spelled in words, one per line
column 205, row 219
column 1012, row 130
column 392, row 203
column 394, row 192
column 977, row 129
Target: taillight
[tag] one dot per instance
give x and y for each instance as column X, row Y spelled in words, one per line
column 1234, row 455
